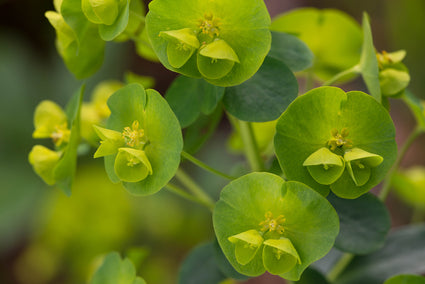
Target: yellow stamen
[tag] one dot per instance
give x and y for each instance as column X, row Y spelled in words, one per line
column 210, row 25
column 339, row 140
column 273, row 225
column 134, row 137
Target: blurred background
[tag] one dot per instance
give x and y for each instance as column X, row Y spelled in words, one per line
column 46, row 237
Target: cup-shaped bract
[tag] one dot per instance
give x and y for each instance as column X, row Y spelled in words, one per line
column 279, row 255
column 246, row 245
column 50, row 121
column 181, row 45
column 264, row 223
column 101, row 11
column 324, row 166
column 409, row 185
column 143, row 142
column 393, row 74
column 359, row 164
column 351, row 125
column 234, row 38
column 43, row 161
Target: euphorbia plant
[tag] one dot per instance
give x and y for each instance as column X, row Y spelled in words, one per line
column 313, row 153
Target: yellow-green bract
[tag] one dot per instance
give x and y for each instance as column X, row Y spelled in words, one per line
column 334, row 37
column 57, row 166
column 263, row 223
column 345, row 143
column 224, row 42
column 142, row 141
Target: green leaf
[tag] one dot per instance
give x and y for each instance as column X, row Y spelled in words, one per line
column 406, row 279
column 65, row 169
column 115, row 270
column 334, row 37
column 291, row 51
column 366, row 212
column 242, row 24
column 84, row 56
column 199, row 132
column 200, row 267
column 367, row 126
column 311, row 276
column 162, row 131
column 407, row 243
column 111, row 31
column 248, row 202
column 188, row 97
column 264, row 96
column 368, row 62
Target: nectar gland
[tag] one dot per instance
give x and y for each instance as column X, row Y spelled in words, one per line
column 210, row 25
column 134, row 137
column 339, row 140
column 273, row 225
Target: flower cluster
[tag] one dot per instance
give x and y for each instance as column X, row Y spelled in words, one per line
column 213, row 40
column 393, row 74
column 264, row 223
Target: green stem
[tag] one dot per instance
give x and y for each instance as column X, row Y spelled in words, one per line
column 205, row 166
column 387, row 182
column 250, row 146
column 340, row 266
column 191, row 185
column 352, row 70
column 182, row 193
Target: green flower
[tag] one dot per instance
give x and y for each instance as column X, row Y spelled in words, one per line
column 410, row 186
column 142, row 141
column 50, row 121
column 224, row 42
column 96, row 111
column 43, row 160
column 393, row 74
column 345, row 144
column 263, row 223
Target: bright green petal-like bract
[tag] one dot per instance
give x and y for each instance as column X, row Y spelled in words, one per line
column 241, row 28
column 355, row 118
column 161, row 143
column 307, row 225
column 43, row 160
